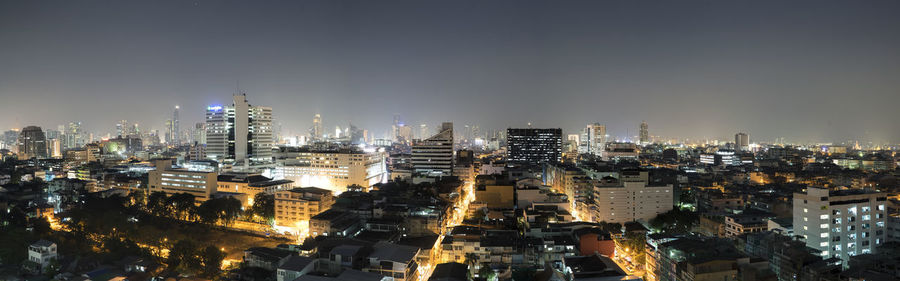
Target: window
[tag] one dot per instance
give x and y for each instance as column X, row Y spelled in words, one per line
column 823, row 217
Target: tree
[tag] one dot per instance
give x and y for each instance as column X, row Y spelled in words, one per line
column 264, row 206
column 183, row 257
column 182, row 204
column 156, row 204
column 208, row 212
column 211, row 261
column 230, row 210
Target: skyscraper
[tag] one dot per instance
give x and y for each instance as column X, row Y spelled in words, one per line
column 316, row 130
column 32, row 143
column 240, row 134
column 434, row 155
column 534, row 146
column 644, row 133
column 122, row 128
column 176, row 130
column 742, row 142
column 593, row 140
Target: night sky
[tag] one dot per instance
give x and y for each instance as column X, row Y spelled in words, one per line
column 806, row 71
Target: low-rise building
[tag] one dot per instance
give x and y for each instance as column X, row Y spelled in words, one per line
column 296, row 206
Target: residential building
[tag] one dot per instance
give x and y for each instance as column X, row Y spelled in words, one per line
column 841, row 223
column 394, row 261
column 250, row 184
column 293, row 208
column 631, row 199
column 42, row 253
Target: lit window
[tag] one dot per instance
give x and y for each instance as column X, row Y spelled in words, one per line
column 823, row 234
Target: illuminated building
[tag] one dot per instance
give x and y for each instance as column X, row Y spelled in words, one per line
column 298, row 205
column 175, row 129
column 172, row 181
column 240, row 134
column 534, row 146
column 250, row 184
column 434, row 155
column 316, row 130
column 644, row 133
column 495, row 191
column 199, row 136
column 742, row 142
column 10, row 140
column 32, row 143
column 593, row 140
column 334, row 170
column 621, row 151
column 631, row 198
column 842, row 223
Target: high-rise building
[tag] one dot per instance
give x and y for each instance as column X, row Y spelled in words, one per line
column 199, row 136
column 534, row 146
column 75, row 136
column 742, row 142
column 32, row 143
column 423, row 131
column 434, row 155
column 176, row 129
column 593, row 140
column 644, row 133
column 239, row 134
column 10, row 140
column 122, row 128
column 316, row 130
column 841, row 223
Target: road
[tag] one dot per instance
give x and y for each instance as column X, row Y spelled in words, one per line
column 455, row 218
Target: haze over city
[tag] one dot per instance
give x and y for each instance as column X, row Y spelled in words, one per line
column 806, row 71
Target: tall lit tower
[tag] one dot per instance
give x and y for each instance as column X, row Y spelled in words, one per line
column 742, row 142
column 176, row 131
column 317, row 127
column 240, row 134
column 644, row 133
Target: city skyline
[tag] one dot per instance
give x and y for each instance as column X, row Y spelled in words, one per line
column 798, row 75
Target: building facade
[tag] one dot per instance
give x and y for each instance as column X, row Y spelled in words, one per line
column 841, row 223
column 434, row 155
column 239, row 134
column 534, row 146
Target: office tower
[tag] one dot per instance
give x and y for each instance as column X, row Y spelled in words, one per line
column 316, row 130
column 122, row 128
column 434, row 155
column 239, row 134
column 423, row 131
column 199, row 133
column 534, row 146
column 75, row 136
column 644, row 133
column 395, row 128
column 32, row 143
column 593, row 140
column 404, row 134
column 841, row 223
column 176, row 129
column 742, row 142
column 170, row 135
column 135, row 130
column 10, row 140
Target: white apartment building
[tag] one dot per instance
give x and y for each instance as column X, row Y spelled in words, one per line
column 631, row 200
column 841, row 223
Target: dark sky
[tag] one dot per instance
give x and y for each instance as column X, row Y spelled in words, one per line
column 816, row 70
